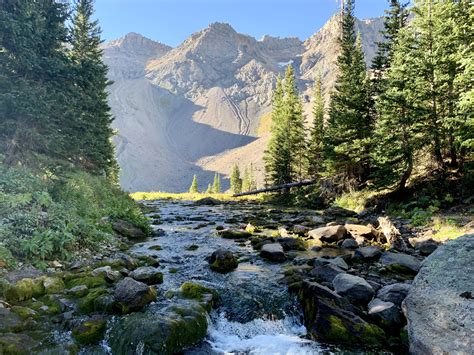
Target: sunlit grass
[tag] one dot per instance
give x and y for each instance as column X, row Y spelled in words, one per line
column 445, row 228
column 355, row 200
column 141, row 196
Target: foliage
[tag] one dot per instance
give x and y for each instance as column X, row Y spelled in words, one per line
column 45, row 216
column 193, row 189
column 248, row 182
column 156, row 195
column 216, row 185
column 316, row 140
column 235, row 180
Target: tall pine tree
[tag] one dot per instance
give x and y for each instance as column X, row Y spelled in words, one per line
column 235, row 180
column 315, row 144
column 347, row 139
column 97, row 152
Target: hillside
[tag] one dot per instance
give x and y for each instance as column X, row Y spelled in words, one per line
column 196, row 108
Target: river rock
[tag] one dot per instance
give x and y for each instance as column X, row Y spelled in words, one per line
column 300, row 230
column 128, row 230
column 440, row 305
column 399, row 262
column 233, row 233
column 273, row 252
column 10, row 321
column 78, row 291
column 425, row 246
column 107, row 272
column 53, row 285
column 358, row 230
column 173, row 330
column 387, row 314
column 331, row 318
column 223, row 261
column 292, row 244
column 148, row 275
column 90, row 331
column 349, row 244
column 394, row 293
column 326, row 273
column 207, row 201
column 371, row 253
column 328, row 234
column 12, row 343
column 355, row 288
column 335, row 211
column 131, row 295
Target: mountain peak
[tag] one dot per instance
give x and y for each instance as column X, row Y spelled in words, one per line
column 135, row 41
column 221, row 27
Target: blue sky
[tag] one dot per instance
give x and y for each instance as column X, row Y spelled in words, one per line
column 172, row 21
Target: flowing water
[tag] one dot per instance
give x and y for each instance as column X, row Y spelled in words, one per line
column 256, row 314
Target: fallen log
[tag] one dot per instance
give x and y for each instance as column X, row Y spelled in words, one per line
column 277, row 187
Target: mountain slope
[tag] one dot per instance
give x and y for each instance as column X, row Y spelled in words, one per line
column 196, row 108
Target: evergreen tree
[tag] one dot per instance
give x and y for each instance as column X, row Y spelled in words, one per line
column 252, row 182
column 209, row 189
column 277, row 154
column 293, row 115
column 194, row 186
column 347, row 139
column 216, row 186
column 246, row 180
column 97, row 152
column 235, row 180
column 34, row 101
column 315, row 144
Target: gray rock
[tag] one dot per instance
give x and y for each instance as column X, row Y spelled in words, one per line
column 328, row 234
column 128, row 230
column 355, row 288
column 424, row 246
column 339, row 262
column 326, row 273
column 440, row 306
column 131, row 295
column 273, row 252
column 399, row 262
column 234, row 233
column 357, row 230
column 223, row 261
column 148, row 275
column 78, row 291
column 300, row 230
column 207, row 201
column 387, row 314
column 292, row 244
column 371, row 253
column 349, row 244
column 394, row 293
column 106, row 271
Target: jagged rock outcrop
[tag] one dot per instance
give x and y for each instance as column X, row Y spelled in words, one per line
column 197, row 108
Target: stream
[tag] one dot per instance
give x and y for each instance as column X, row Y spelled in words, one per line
column 256, row 314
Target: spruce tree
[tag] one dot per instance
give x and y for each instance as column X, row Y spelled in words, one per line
column 216, row 186
column 246, row 183
column 209, row 189
column 194, row 186
column 235, row 180
column 252, row 182
column 94, row 121
column 347, row 139
column 293, row 115
column 315, row 144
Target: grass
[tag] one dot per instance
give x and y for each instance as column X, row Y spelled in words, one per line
column 446, row 228
column 47, row 215
column 150, row 196
column 355, row 200
column 265, row 124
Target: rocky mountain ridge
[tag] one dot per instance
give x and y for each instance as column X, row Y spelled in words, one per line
column 197, row 108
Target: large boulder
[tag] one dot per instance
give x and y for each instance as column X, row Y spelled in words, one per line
column 371, row 253
column 273, row 252
column 394, row 293
column 330, row 234
column 358, row 230
column 440, row 306
column 223, row 261
column 148, row 275
column 355, row 288
column 400, row 262
column 175, row 329
column 131, row 295
column 128, row 230
column 326, row 273
column 292, row 243
column 90, row 331
column 331, row 318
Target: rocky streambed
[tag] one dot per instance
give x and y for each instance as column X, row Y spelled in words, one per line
column 232, row 278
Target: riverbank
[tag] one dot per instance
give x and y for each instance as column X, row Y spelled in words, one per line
column 224, row 276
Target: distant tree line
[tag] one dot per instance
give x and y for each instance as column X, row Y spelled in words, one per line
column 415, row 102
column 53, row 96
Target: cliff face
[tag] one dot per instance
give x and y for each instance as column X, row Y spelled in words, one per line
column 197, row 108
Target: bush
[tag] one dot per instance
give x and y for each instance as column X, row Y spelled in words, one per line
column 45, row 216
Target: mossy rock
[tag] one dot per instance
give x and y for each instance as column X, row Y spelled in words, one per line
column 24, row 290
column 196, row 291
column 147, row 260
column 53, row 285
column 90, row 331
column 173, row 270
column 86, row 279
column 24, row 312
column 155, row 247
column 160, row 335
column 86, row 304
column 192, row 247
column 233, row 233
column 54, row 307
column 16, row 344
